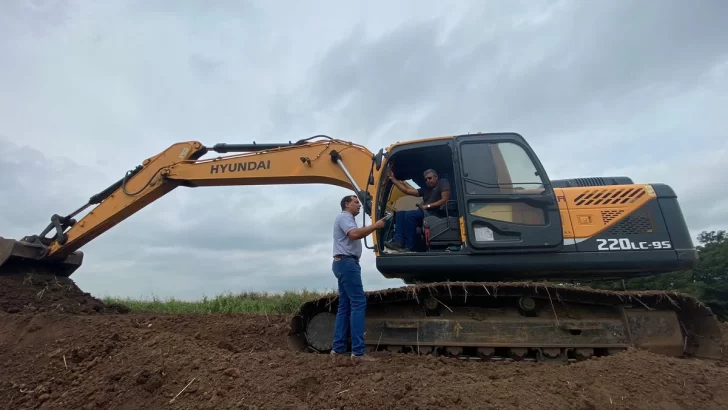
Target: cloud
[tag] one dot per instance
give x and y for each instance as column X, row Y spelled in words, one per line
column 35, row 186
column 697, row 180
column 91, row 89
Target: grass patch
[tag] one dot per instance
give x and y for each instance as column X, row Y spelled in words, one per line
column 248, row 302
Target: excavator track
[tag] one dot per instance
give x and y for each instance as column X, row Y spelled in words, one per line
column 518, row 321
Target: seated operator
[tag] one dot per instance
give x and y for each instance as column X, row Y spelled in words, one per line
column 434, row 195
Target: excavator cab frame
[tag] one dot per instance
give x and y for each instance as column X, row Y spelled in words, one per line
column 488, row 210
column 408, row 161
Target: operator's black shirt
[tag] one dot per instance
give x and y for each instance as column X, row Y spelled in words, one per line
column 434, row 194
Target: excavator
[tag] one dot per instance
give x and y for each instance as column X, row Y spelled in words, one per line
column 496, row 272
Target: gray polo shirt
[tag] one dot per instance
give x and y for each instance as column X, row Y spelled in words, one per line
column 343, row 245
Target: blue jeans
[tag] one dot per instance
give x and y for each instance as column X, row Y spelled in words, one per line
column 406, row 226
column 350, row 315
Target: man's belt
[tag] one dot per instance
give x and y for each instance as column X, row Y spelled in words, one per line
column 340, row 257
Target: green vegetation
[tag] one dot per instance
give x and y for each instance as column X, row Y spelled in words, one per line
column 708, row 282
column 248, row 302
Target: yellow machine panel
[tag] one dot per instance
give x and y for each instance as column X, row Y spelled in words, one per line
column 594, row 209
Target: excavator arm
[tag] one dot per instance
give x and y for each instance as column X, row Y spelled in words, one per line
column 316, row 160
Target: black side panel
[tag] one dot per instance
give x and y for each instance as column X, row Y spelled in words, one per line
column 677, row 228
column 643, row 230
column 658, row 225
column 441, row 267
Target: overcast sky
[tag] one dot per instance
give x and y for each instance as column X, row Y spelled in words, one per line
column 89, row 89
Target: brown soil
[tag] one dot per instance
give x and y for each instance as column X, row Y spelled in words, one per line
column 82, row 355
column 35, row 293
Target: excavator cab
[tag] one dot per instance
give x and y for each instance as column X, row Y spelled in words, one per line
column 501, row 198
column 501, row 202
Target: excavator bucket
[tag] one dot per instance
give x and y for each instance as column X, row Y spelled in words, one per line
column 19, row 257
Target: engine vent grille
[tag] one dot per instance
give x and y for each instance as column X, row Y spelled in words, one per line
column 635, row 224
column 608, row 216
column 609, row 196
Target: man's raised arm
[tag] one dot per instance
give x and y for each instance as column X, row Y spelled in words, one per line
column 402, row 187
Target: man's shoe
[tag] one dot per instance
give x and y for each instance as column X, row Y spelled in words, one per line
column 394, row 251
column 333, row 353
column 393, row 245
column 363, row 358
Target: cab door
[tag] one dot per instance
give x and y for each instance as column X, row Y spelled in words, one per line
column 507, row 200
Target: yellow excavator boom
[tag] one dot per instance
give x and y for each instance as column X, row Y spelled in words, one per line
column 315, row 160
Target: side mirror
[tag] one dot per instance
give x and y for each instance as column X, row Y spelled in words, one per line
column 378, row 158
column 366, row 201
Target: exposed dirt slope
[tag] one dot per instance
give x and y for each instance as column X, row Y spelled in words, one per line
column 60, row 360
column 36, row 292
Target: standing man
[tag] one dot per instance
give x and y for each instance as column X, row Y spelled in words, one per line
column 352, row 301
column 435, row 194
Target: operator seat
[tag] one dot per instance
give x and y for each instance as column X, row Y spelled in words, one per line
column 444, row 230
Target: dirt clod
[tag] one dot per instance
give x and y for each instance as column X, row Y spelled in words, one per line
column 231, row 372
column 66, row 350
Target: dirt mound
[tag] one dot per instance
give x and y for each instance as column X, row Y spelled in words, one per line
column 60, row 361
column 56, row 355
column 39, row 292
